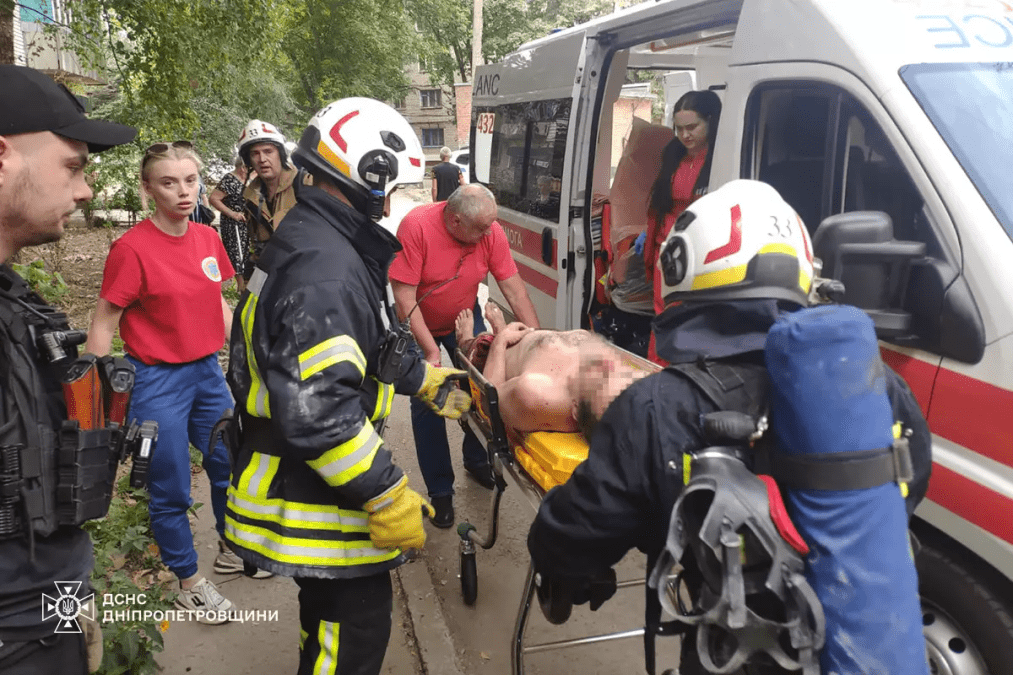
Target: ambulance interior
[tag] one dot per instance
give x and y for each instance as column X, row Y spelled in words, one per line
column 635, row 125
column 790, row 151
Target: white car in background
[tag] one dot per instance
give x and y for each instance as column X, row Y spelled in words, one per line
column 462, row 158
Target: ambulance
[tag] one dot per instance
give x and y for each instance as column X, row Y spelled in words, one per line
column 896, row 106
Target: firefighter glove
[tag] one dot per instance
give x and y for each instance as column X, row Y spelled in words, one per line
column 440, row 392
column 396, row 517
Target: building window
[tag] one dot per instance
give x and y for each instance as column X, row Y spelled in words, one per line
column 431, row 98
column 432, row 138
column 399, row 103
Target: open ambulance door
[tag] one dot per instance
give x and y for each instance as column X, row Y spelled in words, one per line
column 522, row 150
column 684, row 44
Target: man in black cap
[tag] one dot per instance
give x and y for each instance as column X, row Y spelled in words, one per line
column 45, row 139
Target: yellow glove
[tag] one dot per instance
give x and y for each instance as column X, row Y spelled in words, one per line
column 457, row 401
column 395, row 517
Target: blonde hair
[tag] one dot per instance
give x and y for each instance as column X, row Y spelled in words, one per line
column 173, row 152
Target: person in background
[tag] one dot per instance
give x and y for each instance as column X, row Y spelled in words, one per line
column 162, row 287
column 449, row 249
column 270, row 195
column 45, row 140
column 682, row 179
column 228, row 199
column 446, row 177
column 208, row 216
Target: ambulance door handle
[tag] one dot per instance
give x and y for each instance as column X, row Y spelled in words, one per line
column 547, row 239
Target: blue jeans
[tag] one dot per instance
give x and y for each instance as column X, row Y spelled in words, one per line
column 186, row 399
column 430, row 430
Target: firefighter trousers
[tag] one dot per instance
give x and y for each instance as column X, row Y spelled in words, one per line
column 345, row 624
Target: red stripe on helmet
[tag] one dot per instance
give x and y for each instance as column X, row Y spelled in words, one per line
column 805, row 239
column 415, row 161
column 734, row 239
column 336, row 130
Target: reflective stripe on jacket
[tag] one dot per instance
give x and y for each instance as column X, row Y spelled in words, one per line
column 304, row 352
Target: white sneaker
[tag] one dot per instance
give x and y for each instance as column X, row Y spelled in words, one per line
column 205, row 598
column 228, row 562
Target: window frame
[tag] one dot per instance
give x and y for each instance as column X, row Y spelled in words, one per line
column 431, row 130
column 429, row 93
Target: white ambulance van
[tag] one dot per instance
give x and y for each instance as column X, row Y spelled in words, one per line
column 899, row 106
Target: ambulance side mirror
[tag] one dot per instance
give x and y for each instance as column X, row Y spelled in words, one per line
column 939, row 315
column 858, row 249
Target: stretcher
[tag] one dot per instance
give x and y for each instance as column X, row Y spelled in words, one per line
column 535, row 463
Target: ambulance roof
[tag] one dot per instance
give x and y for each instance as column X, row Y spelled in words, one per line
column 872, row 38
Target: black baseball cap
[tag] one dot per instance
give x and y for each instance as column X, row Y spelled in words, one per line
column 31, row 101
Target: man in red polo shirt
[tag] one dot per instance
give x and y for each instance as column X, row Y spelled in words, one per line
column 449, row 249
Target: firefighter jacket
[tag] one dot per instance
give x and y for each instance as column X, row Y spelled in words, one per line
column 622, row 496
column 304, row 352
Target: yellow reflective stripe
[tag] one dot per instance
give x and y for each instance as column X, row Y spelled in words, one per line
column 327, row 659
column 331, row 352
column 260, row 480
column 257, row 403
column 248, row 472
column 384, row 400
column 779, row 247
column 297, row 515
column 302, row 638
column 352, row 458
column 726, row 277
column 301, row 551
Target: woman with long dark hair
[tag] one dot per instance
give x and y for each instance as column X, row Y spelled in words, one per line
column 682, row 179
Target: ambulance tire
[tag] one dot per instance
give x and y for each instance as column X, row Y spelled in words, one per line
column 469, row 578
column 958, row 608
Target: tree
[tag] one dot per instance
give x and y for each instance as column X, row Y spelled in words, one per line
column 446, row 31
column 340, row 48
column 7, row 29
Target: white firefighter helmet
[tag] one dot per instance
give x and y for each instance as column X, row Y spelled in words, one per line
column 364, row 146
column 257, row 131
column 740, row 241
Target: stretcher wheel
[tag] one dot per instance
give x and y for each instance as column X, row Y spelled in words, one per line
column 469, row 578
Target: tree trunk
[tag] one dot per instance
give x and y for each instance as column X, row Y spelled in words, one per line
column 476, row 38
column 6, row 32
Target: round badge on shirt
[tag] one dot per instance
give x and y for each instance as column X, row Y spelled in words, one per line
column 210, row 267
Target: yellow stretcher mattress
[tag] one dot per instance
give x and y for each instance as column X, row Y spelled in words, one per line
column 549, row 457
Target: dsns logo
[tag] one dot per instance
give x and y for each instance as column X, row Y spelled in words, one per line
column 66, row 607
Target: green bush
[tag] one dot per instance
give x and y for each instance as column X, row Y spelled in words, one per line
column 50, row 285
column 127, row 562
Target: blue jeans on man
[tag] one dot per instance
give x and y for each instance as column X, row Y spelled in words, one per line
column 430, row 430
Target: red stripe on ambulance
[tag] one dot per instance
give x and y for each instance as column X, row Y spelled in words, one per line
column 974, row 414
column 536, row 279
column 989, row 510
column 526, row 242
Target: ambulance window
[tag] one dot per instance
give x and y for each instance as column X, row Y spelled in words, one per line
column 871, row 177
column 789, row 146
column 826, row 154
column 528, row 150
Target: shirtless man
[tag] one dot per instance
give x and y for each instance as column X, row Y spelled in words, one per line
column 548, row 380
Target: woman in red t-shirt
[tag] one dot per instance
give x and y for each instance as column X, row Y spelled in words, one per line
column 682, row 179
column 162, row 287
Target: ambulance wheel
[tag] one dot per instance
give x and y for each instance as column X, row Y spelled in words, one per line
column 968, row 629
column 469, row 578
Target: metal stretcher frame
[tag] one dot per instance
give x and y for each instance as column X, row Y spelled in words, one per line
column 485, row 421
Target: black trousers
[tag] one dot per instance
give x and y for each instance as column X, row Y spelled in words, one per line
column 345, row 624
column 63, row 653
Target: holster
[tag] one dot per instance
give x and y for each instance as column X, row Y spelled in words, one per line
column 228, row 429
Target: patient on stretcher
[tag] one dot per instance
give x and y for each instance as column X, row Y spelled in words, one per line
column 546, row 380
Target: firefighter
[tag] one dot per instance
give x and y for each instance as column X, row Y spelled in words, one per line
column 720, row 302
column 316, row 358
